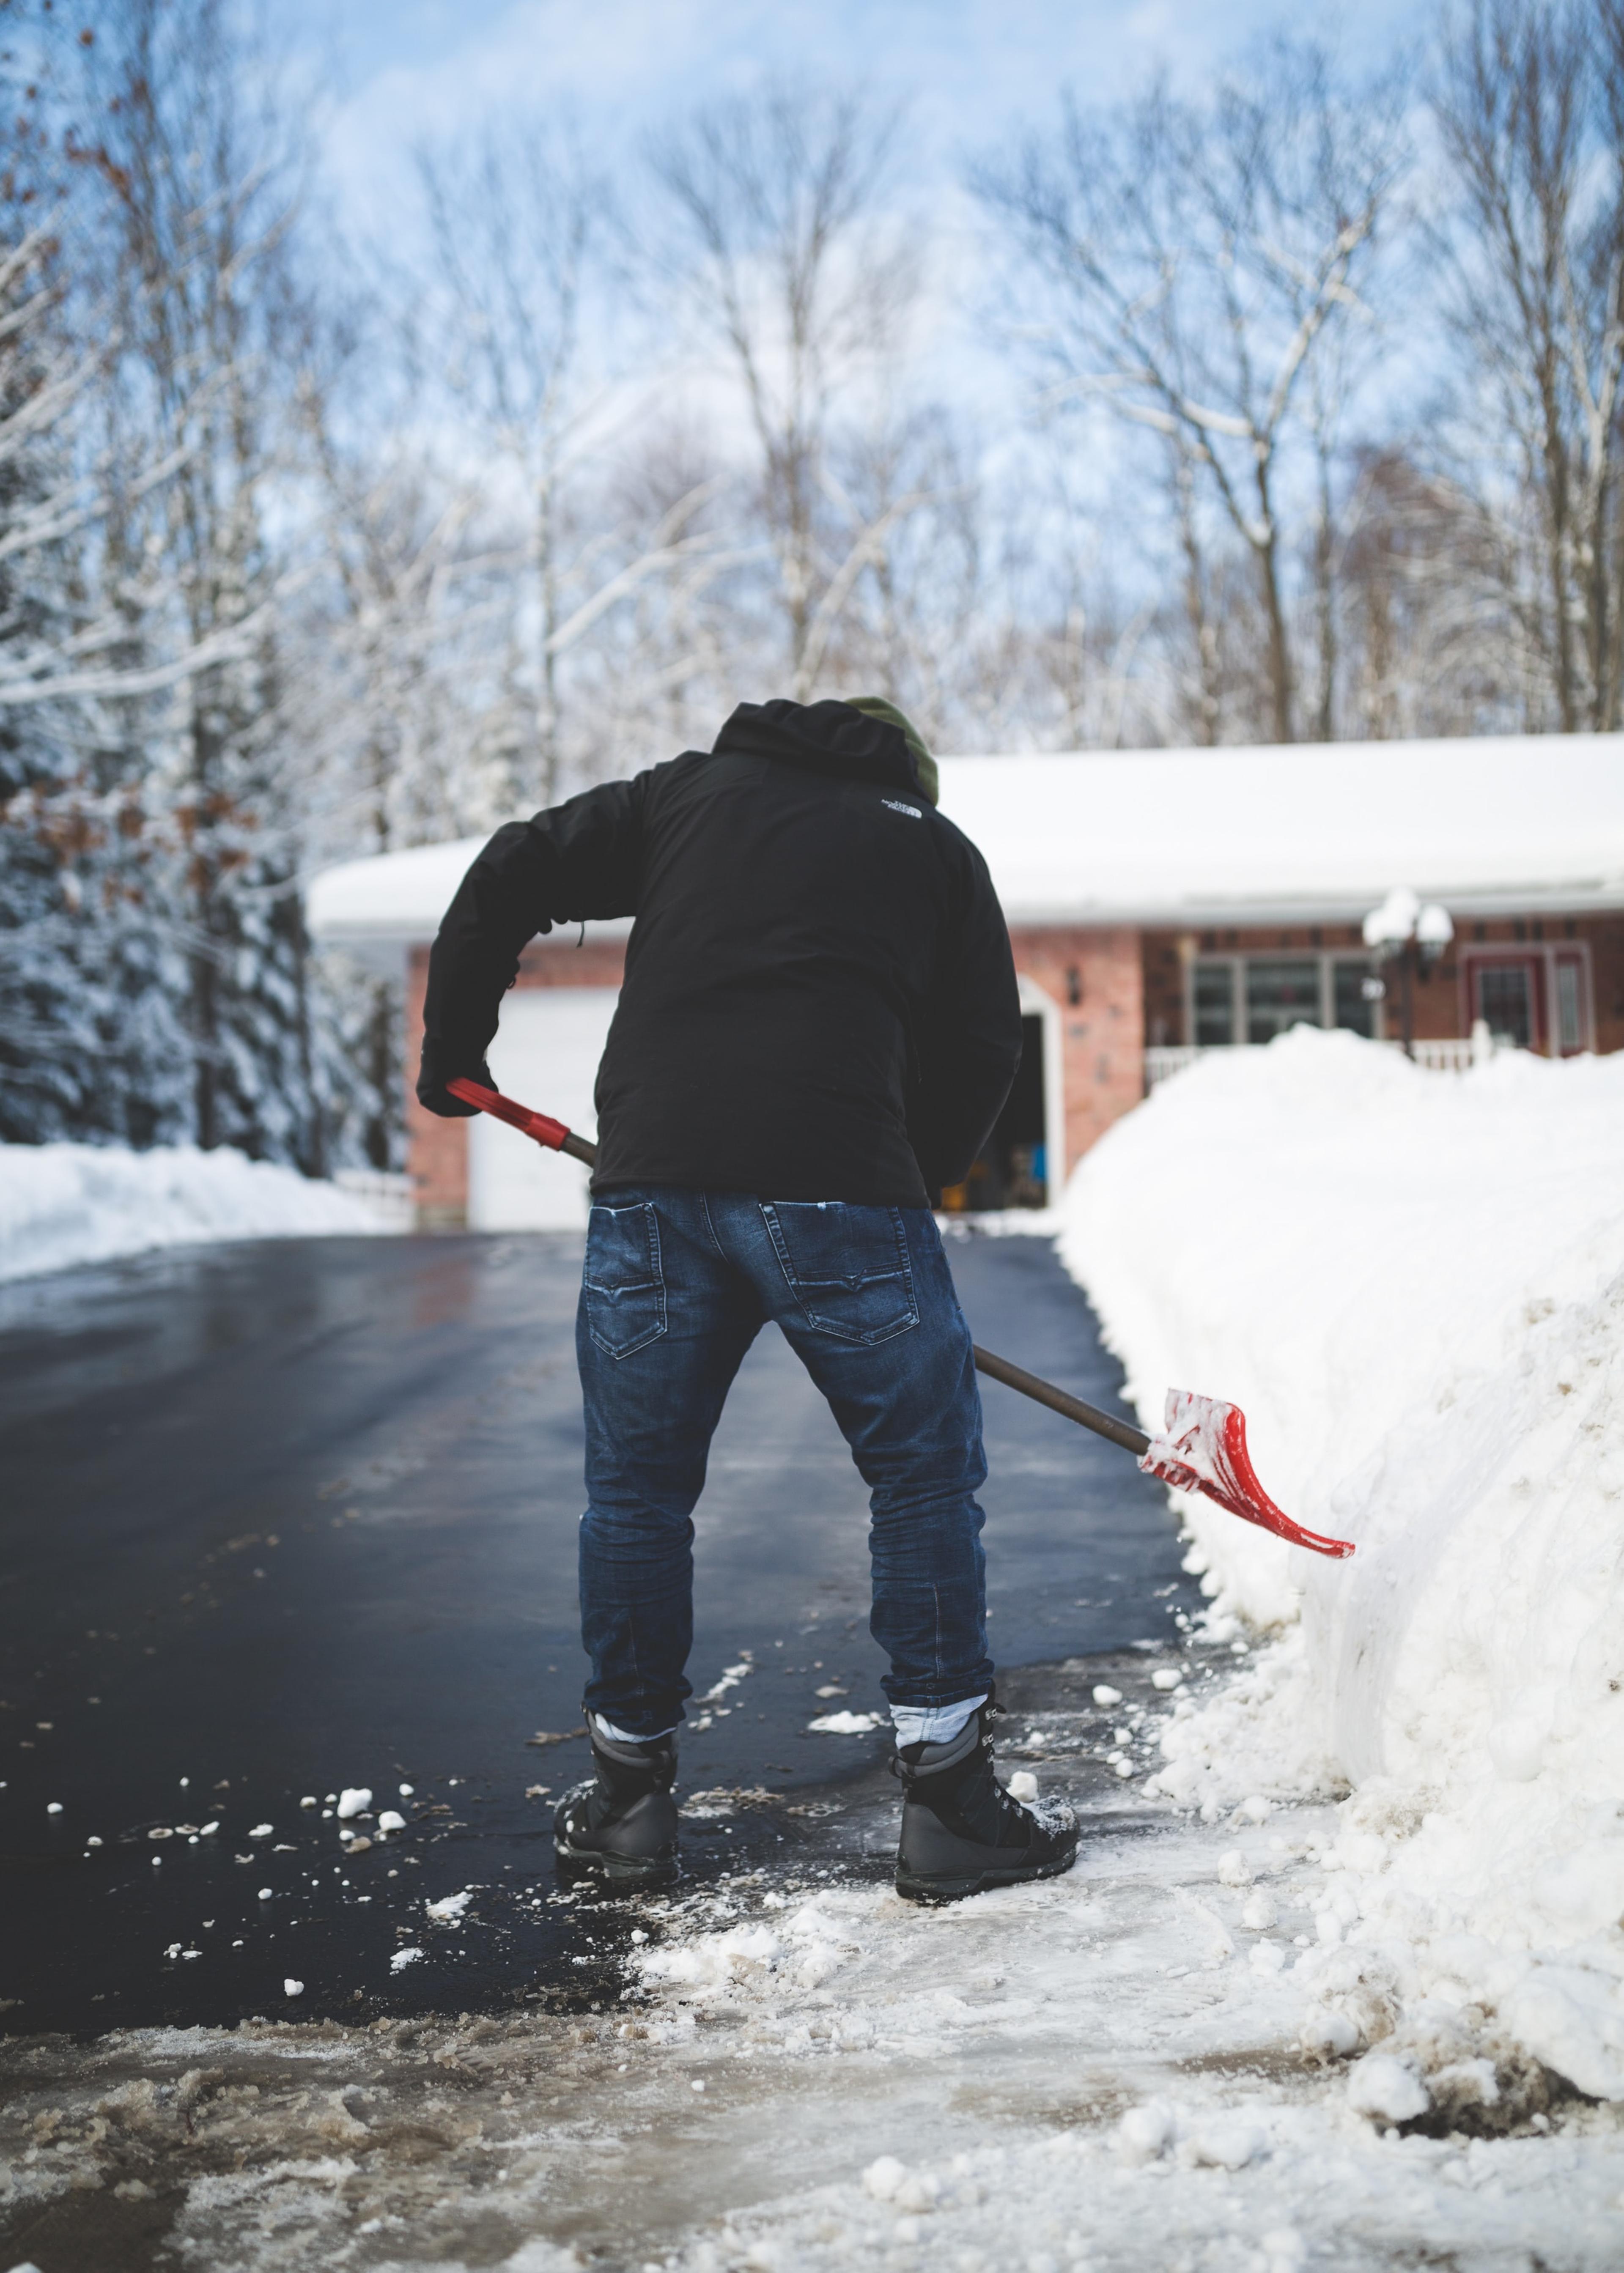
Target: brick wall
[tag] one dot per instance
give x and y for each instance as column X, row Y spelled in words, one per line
column 1097, row 978
column 1117, row 989
column 1440, row 1012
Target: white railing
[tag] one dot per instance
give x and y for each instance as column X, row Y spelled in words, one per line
column 1164, row 1060
column 1454, row 1055
column 393, row 1197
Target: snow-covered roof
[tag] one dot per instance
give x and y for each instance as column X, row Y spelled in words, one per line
column 1525, row 824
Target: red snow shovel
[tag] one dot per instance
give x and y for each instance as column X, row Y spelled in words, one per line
column 1202, row 1446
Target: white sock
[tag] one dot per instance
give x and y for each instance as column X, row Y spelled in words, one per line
column 932, row 1724
column 624, row 1736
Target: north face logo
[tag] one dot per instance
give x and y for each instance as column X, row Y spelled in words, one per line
column 912, row 811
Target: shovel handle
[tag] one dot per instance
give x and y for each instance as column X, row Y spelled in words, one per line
column 539, row 1126
column 1044, row 1392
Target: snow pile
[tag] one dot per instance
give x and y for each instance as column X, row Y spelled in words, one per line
column 65, row 1204
column 1413, row 1285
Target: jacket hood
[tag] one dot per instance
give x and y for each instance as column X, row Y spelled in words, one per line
column 827, row 737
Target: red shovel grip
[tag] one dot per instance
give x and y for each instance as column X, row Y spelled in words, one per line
column 540, row 1126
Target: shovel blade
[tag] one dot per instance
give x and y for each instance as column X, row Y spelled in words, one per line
column 1202, row 1447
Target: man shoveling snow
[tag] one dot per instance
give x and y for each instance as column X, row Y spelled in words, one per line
column 818, row 1027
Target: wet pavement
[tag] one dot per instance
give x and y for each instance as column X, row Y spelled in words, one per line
column 294, row 1517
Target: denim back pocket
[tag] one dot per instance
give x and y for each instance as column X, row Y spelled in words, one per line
column 624, row 1289
column 847, row 1267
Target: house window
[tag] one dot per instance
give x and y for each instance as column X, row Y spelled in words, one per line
column 1214, row 1003
column 1254, row 997
column 1535, row 997
column 1353, row 1000
column 1281, row 994
column 1506, row 1001
column 1570, row 1006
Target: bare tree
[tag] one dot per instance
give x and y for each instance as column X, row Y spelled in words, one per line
column 1530, row 105
column 517, row 222
column 1199, row 261
column 518, row 328
column 790, row 255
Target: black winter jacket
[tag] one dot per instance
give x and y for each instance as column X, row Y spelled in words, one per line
column 819, row 1000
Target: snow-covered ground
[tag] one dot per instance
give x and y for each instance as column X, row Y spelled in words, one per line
column 1336, row 1982
column 794, row 2071
column 65, row 1204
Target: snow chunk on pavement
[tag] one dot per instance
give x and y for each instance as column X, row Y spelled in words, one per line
column 450, row 1907
column 62, row 1205
column 1223, row 2143
column 1145, row 2131
column 1387, row 2089
column 292, row 1988
column 391, row 1820
column 354, row 1800
column 403, row 1958
column 846, row 1724
column 883, row 2176
column 717, row 1958
column 261, row 1831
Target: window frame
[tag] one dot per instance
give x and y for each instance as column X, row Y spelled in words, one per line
column 1237, row 959
column 1544, row 957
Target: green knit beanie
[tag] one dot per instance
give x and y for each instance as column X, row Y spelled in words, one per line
column 876, row 705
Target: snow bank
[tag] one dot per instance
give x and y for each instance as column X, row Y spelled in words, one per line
column 66, row 1203
column 1413, row 1285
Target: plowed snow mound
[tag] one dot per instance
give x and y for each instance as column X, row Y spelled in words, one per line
column 65, row 1204
column 1413, row 1285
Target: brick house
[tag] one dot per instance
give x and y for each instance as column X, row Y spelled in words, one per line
column 1160, row 903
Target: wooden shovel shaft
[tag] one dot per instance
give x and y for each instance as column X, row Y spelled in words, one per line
column 1044, row 1392
column 554, row 1134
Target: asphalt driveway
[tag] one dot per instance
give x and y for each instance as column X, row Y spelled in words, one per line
column 294, row 1517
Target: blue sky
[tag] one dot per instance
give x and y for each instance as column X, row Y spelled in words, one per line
column 392, row 71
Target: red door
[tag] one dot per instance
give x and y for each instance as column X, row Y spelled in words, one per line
column 1536, row 998
column 1507, row 994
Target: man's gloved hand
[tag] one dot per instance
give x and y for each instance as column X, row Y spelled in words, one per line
column 433, row 1094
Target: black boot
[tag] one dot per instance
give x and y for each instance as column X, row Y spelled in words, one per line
column 961, row 1831
column 622, row 1827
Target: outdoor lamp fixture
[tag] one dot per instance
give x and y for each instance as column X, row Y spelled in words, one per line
column 1413, row 935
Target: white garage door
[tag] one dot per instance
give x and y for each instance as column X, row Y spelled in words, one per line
column 547, row 1055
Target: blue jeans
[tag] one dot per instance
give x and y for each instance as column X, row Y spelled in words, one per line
column 677, row 1285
